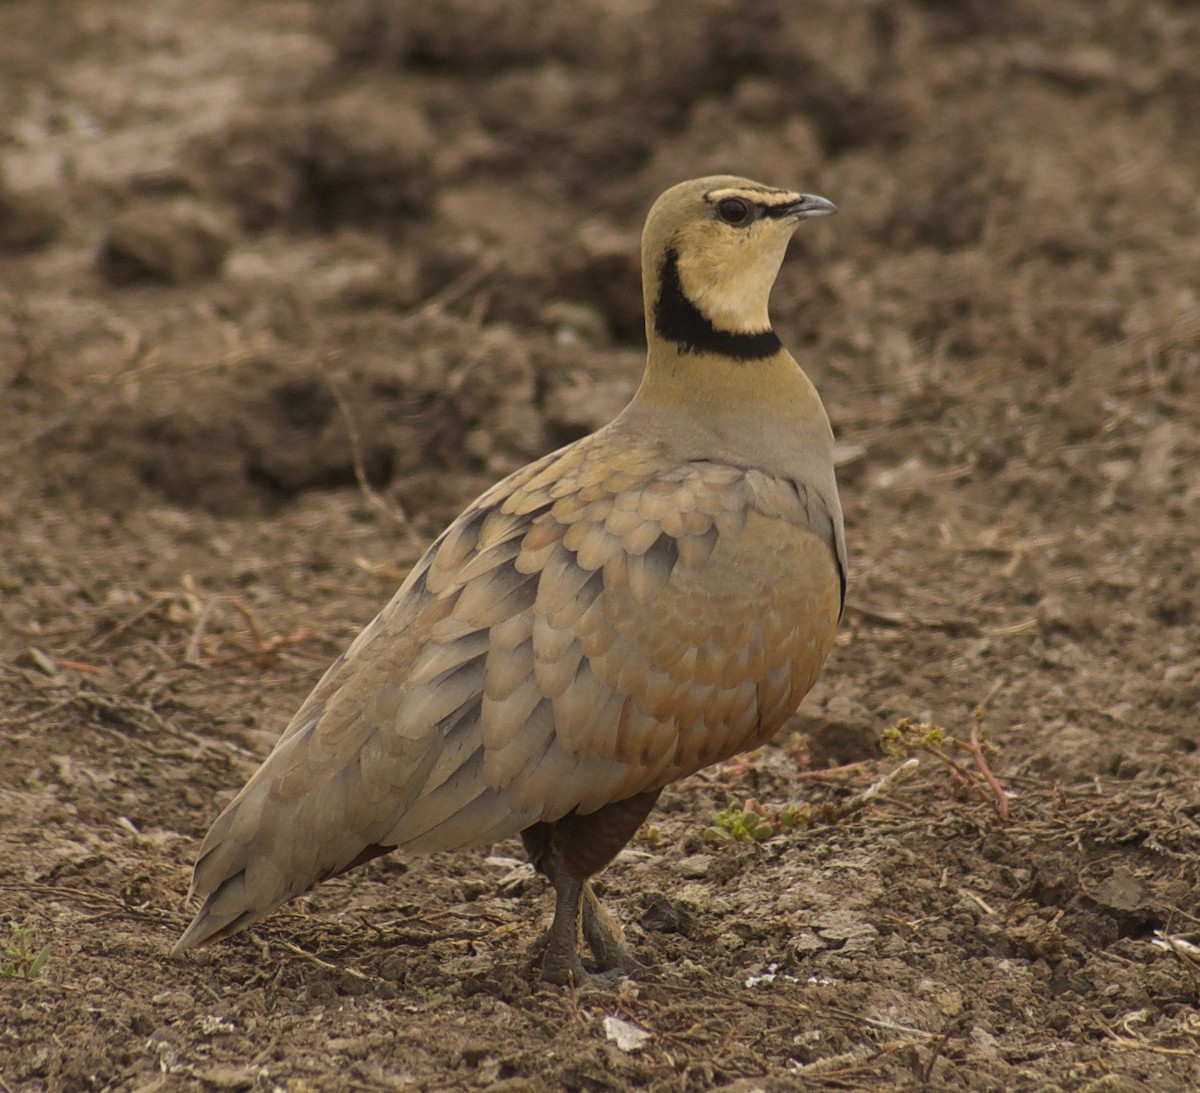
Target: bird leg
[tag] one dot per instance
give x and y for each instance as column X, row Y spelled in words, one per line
column 604, row 936
column 560, row 959
column 568, row 852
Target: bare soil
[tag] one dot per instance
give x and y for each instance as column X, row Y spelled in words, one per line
column 284, row 285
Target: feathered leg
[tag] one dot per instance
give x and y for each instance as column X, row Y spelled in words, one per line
column 568, row 852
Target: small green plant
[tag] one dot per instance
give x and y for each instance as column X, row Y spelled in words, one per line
column 905, row 737
column 794, row 817
column 752, row 823
column 648, row 835
column 740, row 825
column 20, row 961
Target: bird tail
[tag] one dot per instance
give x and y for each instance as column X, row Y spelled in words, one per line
column 246, row 867
column 224, row 914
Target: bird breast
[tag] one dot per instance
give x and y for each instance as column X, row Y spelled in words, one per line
column 626, row 632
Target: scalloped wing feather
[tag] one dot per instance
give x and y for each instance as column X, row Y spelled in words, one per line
column 598, row 625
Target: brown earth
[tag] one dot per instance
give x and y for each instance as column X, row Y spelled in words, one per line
column 282, row 286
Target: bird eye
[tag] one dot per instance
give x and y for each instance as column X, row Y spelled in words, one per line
column 733, row 210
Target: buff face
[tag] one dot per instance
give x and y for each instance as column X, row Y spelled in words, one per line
column 728, row 238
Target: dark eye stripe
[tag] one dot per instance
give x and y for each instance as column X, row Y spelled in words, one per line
column 758, row 202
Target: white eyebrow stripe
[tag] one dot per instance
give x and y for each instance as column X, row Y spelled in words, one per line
column 767, row 198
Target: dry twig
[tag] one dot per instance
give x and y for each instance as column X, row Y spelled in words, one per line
column 906, row 737
column 860, row 801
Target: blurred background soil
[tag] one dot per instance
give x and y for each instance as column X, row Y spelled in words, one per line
column 283, row 285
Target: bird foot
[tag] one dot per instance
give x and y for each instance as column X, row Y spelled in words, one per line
column 571, row 973
column 563, row 969
column 606, row 939
column 612, row 957
column 561, row 965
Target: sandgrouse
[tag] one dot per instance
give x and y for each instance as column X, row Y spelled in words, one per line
column 651, row 599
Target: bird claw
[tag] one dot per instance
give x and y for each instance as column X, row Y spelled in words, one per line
column 568, row 971
column 562, row 966
column 563, row 971
column 612, row 957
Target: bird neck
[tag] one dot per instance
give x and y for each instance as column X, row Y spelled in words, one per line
column 713, row 359
column 696, row 314
column 713, row 385
column 718, row 382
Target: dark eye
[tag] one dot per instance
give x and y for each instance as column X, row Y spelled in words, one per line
column 733, row 210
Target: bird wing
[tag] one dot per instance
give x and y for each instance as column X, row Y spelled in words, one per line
column 597, row 625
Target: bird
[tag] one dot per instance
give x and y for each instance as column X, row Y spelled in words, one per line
column 653, row 598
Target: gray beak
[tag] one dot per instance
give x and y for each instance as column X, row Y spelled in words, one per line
column 809, row 205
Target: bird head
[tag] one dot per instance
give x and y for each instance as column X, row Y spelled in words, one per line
column 711, row 250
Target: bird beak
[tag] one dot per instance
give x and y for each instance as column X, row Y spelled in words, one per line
column 807, row 205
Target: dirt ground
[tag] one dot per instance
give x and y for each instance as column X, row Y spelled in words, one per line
column 283, row 285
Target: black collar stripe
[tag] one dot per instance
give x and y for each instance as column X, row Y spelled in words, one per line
column 678, row 320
